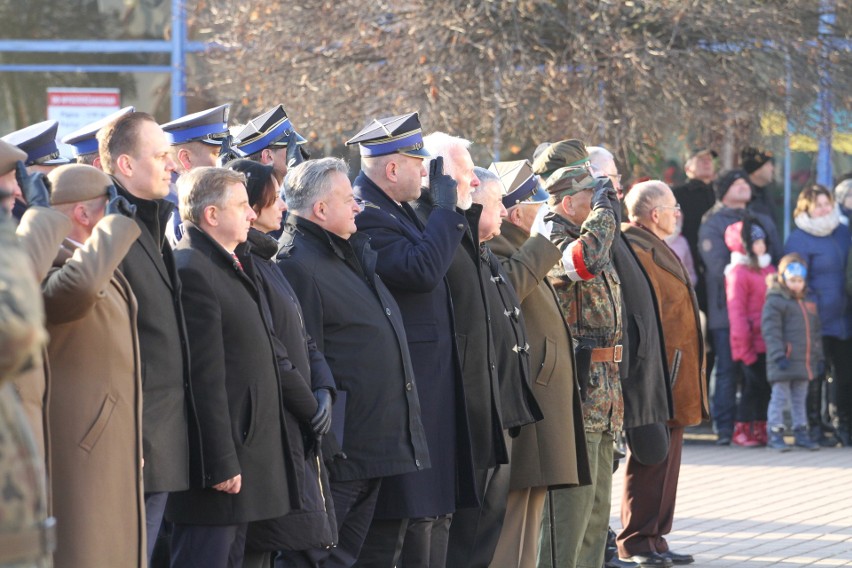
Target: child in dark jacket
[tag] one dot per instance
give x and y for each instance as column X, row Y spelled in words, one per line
column 791, row 331
column 745, row 290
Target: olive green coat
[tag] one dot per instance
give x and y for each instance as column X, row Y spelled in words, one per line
column 552, row 452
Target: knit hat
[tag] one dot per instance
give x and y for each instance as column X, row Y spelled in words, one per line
column 566, row 153
column 792, row 265
column 74, row 183
column 726, row 180
column 257, row 176
column 752, row 159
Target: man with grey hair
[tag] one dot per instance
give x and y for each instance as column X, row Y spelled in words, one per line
column 603, row 165
column 238, row 400
column 475, row 340
column 411, row 523
column 352, row 316
column 475, row 532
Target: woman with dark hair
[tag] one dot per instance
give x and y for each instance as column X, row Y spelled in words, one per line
column 824, row 243
column 306, row 383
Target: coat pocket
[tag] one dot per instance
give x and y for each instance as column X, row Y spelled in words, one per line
column 251, row 421
column 94, row 434
column 548, row 365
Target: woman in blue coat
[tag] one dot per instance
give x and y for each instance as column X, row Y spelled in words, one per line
column 824, row 243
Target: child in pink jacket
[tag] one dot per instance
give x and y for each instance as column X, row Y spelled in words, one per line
column 745, row 287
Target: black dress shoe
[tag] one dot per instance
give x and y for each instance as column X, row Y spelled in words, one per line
column 678, row 558
column 650, row 560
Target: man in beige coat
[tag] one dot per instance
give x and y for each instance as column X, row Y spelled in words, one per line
column 95, row 420
column 39, row 233
column 550, row 453
column 647, row 507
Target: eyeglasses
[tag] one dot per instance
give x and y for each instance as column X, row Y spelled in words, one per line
column 675, row 207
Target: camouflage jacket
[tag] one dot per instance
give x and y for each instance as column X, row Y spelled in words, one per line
column 589, row 293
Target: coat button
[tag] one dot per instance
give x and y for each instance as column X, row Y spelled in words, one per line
column 387, row 311
column 408, row 386
column 417, row 463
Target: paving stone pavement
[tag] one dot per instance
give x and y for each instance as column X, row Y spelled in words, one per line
column 753, row 507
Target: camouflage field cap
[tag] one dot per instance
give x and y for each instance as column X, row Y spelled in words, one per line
column 570, row 181
column 565, row 153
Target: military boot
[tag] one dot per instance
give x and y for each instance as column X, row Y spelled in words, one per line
column 776, row 439
column 803, row 438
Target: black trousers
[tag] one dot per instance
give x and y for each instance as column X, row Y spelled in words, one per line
column 406, row 543
column 475, row 532
column 208, row 546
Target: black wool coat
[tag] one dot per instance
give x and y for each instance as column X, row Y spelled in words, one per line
column 413, row 260
column 302, row 369
column 519, row 406
column 474, row 339
column 647, row 387
column 238, row 398
column 168, row 417
column 358, row 326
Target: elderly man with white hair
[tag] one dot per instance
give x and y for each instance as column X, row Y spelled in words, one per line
column 647, row 508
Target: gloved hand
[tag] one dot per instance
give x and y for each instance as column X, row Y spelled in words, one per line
column 34, row 186
column 228, row 152
column 295, row 153
column 442, row 187
column 539, row 225
column 118, row 204
column 321, row 422
column 604, row 195
column 783, row 363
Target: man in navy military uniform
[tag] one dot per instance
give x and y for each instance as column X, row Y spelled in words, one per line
column 415, row 509
column 271, row 139
column 196, row 141
column 85, row 142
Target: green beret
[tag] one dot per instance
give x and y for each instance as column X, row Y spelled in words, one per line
column 559, row 155
column 73, row 183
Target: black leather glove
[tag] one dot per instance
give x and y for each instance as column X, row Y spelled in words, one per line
column 321, row 422
column 295, row 153
column 118, row 204
column 604, row 195
column 34, row 186
column 442, row 187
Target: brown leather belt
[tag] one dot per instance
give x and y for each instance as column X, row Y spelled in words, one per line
column 28, row 544
column 607, row 354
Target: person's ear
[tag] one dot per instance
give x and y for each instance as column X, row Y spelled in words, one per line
column 568, row 204
column 211, row 215
column 391, row 169
column 319, row 210
column 184, row 158
column 124, row 164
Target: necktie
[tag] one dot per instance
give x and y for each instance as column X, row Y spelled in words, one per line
column 237, row 262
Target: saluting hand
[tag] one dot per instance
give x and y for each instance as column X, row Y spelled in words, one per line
column 442, row 187
column 34, row 186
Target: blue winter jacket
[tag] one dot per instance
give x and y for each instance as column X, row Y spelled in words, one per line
column 826, row 258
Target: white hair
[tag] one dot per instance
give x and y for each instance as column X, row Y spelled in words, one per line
column 440, row 144
column 599, row 158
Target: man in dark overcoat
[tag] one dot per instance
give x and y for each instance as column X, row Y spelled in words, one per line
column 358, row 326
column 413, row 259
column 239, row 403
column 135, row 151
